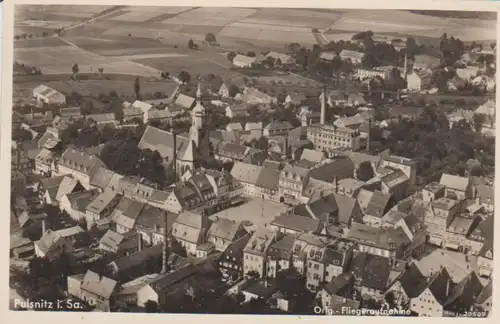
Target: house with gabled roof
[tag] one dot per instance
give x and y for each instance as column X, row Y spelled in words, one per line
column 190, row 229
column 339, row 294
column 456, row 187
column 371, row 274
column 463, row 296
column 231, row 260
column 406, row 286
column 131, row 266
column 75, row 203
column 101, row 207
column 377, row 207
column 52, row 244
column 80, row 165
column 290, row 223
column 256, row 180
column 98, row 290
column 125, row 215
column 120, row 244
column 48, row 95
column 45, row 162
column 432, row 294
column 53, row 189
column 279, row 256
column 483, row 301
column 256, row 251
column 223, row 232
column 152, row 223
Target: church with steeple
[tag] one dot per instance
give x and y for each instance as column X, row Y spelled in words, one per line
column 187, row 151
column 198, row 133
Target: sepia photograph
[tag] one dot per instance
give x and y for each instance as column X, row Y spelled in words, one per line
column 232, row 160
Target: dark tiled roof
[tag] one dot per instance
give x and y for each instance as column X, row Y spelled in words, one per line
column 282, row 249
column 373, row 271
column 412, row 281
column 137, row 258
column 465, row 293
column 378, row 204
column 297, row 222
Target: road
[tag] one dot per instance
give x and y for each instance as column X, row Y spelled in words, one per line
column 109, row 13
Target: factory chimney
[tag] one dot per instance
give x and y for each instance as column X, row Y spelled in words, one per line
column 405, row 68
column 166, row 245
column 369, row 137
column 175, row 156
column 323, row 106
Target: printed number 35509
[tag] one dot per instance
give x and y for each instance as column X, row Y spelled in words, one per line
column 474, row 314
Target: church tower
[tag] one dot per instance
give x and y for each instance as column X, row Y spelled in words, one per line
column 199, row 133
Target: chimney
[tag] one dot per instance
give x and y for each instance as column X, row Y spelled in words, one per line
column 405, row 67
column 43, row 227
column 175, row 156
column 448, row 287
column 32, row 114
column 369, row 139
column 139, row 241
column 165, row 245
column 286, row 147
column 18, row 153
column 323, row 106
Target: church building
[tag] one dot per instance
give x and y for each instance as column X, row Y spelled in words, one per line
column 191, row 150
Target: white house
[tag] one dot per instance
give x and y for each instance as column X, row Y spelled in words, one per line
column 48, row 95
column 243, row 61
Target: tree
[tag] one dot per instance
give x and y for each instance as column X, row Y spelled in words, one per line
column 253, row 274
column 210, row 38
column 365, row 171
column 137, row 88
column 101, row 71
column 190, row 44
column 231, row 56
column 151, row 306
column 233, row 90
column 45, row 34
column 251, row 54
column 184, row 77
column 21, row 135
column 75, row 69
column 479, row 120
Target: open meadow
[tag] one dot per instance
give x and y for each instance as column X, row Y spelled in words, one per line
column 92, row 88
column 60, row 59
column 193, row 65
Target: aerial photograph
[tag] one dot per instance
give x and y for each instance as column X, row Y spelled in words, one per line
column 230, row 160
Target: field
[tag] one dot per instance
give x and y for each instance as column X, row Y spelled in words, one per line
column 193, row 65
column 278, row 34
column 119, row 45
column 95, row 87
column 292, row 17
column 40, row 42
column 142, row 14
column 410, row 24
column 60, row 59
